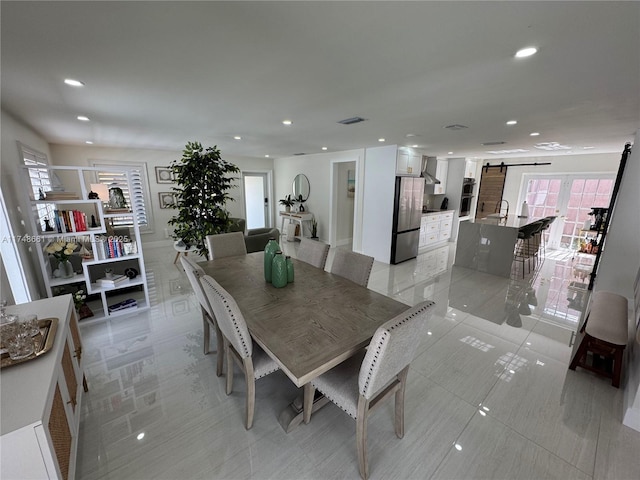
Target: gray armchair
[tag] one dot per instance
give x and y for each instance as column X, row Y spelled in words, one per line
column 257, row 238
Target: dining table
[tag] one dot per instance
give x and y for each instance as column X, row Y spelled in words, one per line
column 310, row 325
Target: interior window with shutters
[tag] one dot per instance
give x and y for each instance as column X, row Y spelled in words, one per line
column 136, row 191
column 40, row 178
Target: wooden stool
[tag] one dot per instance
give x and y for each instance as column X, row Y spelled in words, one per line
column 605, row 335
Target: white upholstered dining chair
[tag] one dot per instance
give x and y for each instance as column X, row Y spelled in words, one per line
column 238, row 344
column 313, row 252
column 194, row 274
column 362, row 382
column 352, row 266
column 226, row 245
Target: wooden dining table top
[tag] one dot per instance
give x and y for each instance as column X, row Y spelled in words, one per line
column 312, row 324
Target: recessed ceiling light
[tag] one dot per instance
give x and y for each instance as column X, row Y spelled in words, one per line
column 382, row 140
column 512, row 122
column 287, row 122
column 449, row 153
column 266, row 156
column 237, row 137
column 73, row 83
column 411, row 135
column 526, row 52
column 588, row 148
column 89, row 142
column 140, row 436
column 324, row 148
column 82, row 118
column 414, row 146
column 534, row 134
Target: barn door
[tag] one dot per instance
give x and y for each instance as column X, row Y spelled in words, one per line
column 490, row 193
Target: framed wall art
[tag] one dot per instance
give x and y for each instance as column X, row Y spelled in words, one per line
column 167, row 199
column 164, row 175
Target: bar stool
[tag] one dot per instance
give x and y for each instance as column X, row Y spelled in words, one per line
column 527, row 245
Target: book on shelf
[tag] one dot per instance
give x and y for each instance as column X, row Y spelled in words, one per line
column 113, row 281
column 61, row 196
column 70, row 221
column 128, row 304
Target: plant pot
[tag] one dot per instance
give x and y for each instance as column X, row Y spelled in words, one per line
column 84, row 311
column 287, row 209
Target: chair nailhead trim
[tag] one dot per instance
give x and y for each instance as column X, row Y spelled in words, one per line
column 385, row 338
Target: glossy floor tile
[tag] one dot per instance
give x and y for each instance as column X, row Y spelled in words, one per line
column 489, row 394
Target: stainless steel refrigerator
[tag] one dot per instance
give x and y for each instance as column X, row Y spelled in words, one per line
column 407, row 214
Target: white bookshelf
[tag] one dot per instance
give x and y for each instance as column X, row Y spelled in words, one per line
column 126, row 246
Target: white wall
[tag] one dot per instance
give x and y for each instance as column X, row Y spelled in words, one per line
column 619, row 265
column 88, row 155
column 379, row 187
column 13, row 182
column 317, row 168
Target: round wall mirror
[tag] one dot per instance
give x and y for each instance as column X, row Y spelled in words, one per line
column 301, row 187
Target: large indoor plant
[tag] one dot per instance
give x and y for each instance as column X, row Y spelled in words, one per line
column 204, row 180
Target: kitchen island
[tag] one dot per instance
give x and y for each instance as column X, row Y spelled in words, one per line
column 488, row 244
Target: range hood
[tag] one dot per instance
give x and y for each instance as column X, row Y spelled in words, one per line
column 428, row 178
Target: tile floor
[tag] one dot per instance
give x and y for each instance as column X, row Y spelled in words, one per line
column 489, row 395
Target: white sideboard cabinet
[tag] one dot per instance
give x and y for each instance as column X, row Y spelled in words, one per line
column 41, row 401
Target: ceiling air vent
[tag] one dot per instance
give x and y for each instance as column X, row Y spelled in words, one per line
column 455, row 126
column 551, row 146
column 298, row 154
column 487, row 144
column 352, row 120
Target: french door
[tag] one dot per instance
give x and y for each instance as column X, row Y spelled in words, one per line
column 568, row 197
column 256, row 199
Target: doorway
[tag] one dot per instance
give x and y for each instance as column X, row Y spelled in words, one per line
column 568, row 197
column 257, row 199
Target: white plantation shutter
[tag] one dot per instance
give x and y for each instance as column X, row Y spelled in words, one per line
column 135, row 191
column 39, row 177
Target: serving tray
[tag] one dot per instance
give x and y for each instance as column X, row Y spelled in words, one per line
column 42, row 342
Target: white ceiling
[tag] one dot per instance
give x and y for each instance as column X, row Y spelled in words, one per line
column 159, row 74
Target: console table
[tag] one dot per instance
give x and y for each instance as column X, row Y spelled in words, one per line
column 41, row 400
column 298, row 218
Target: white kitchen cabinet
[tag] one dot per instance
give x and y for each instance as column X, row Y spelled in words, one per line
column 435, row 228
column 41, row 400
column 408, row 162
column 437, row 168
column 470, row 169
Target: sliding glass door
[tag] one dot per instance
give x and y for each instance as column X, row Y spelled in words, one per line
column 568, row 197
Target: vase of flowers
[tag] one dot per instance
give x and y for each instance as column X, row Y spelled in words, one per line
column 81, row 307
column 62, row 251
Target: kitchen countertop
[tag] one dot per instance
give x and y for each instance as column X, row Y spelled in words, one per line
column 511, row 221
column 431, row 212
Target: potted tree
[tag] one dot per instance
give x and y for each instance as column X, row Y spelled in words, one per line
column 204, row 180
column 287, row 202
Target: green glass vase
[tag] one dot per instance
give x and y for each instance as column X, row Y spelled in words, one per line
column 269, row 252
column 279, row 270
column 289, row 269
